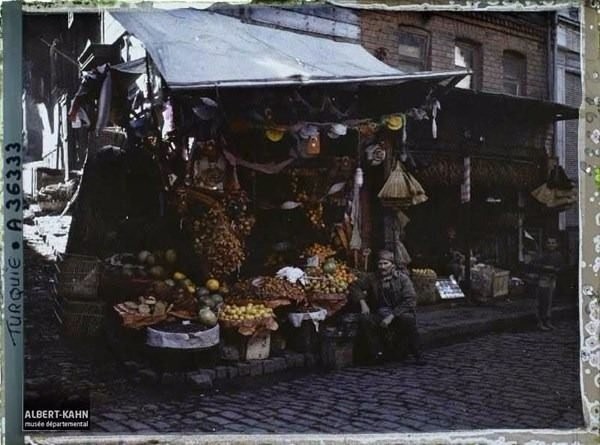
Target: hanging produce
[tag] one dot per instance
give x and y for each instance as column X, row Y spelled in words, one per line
column 236, row 206
column 216, row 243
column 557, row 192
column 319, row 250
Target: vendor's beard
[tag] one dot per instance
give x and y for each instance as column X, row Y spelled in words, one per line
column 386, row 273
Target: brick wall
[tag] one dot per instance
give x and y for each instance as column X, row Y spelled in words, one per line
column 380, row 29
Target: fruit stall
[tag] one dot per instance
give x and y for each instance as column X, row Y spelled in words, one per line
column 265, row 200
column 256, row 256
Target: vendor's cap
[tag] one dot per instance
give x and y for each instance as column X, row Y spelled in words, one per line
column 337, row 130
column 206, row 109
column 274, row 134
column 308, row 131
column 385, row 255
column 394, row 122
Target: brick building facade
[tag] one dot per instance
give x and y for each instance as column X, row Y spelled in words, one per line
column 491, row 36
column 510, row 54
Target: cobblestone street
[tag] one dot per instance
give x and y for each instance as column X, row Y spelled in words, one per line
column 521, row 380
column 526, row 379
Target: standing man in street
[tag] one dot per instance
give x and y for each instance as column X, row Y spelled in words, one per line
column 387, row 300
column 548, row 265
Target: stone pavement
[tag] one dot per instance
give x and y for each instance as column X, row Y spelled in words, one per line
column 509, row 380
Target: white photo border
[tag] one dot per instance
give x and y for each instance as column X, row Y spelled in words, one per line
column 589, row 281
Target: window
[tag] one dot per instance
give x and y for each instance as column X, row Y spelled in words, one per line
column 515, row 73
column 412, row 50
column 467, row 55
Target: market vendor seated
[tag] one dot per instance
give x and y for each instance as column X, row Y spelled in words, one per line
column 388, row 310
column 451, row 259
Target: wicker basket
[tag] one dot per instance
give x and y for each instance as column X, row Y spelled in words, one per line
column 425, row 289
column 78, row 276
column 79, row 318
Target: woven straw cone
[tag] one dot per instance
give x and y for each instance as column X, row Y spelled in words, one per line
column 401, row 188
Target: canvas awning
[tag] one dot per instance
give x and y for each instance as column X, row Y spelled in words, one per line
column 444, row 5
column 201, row 49
column 519, row 107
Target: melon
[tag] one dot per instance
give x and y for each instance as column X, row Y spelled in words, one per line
column 171, row 256
column 202, row 291
column 207, row 317
column 205, row 301
column 216, row 300
column 157, row 271
column 143, row 256
column 329, row 267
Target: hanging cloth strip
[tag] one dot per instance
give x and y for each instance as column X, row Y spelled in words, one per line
column 104, row 102
column 270, row 169
column 355, row 216
column 434, row 110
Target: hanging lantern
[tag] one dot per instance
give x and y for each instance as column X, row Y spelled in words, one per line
column 311, row 140
column 314, row 145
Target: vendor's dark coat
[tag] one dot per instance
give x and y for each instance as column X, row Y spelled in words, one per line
column 404, row 300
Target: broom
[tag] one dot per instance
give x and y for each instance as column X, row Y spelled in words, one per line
column 401, row 189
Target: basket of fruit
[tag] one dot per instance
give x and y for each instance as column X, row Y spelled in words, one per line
column 328, row 285
column 272, row 292
column 248, row 319
column 319, row 250
column 275, row 288
column 331, row 278
column 127, row 275
column 147, row 311
column 424, row 284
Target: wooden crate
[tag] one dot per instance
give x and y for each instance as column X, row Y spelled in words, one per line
column 336, row 351
column 79, row 318
column 258, row 346
column 500, row 283
column 237, row 347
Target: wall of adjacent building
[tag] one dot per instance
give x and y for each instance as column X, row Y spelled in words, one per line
column 568, row 91
column 494, row 32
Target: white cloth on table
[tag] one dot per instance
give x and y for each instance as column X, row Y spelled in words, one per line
column 296, row 318
column 183, row 340
column 292, row 274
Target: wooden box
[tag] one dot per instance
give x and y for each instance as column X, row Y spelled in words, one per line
column 500, row 283
column 238, row 347
column 336, row 351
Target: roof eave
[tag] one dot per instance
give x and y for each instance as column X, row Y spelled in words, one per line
column 387, row 80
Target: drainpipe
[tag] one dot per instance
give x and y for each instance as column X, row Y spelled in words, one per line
column 562, row 220
column 552, row 54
